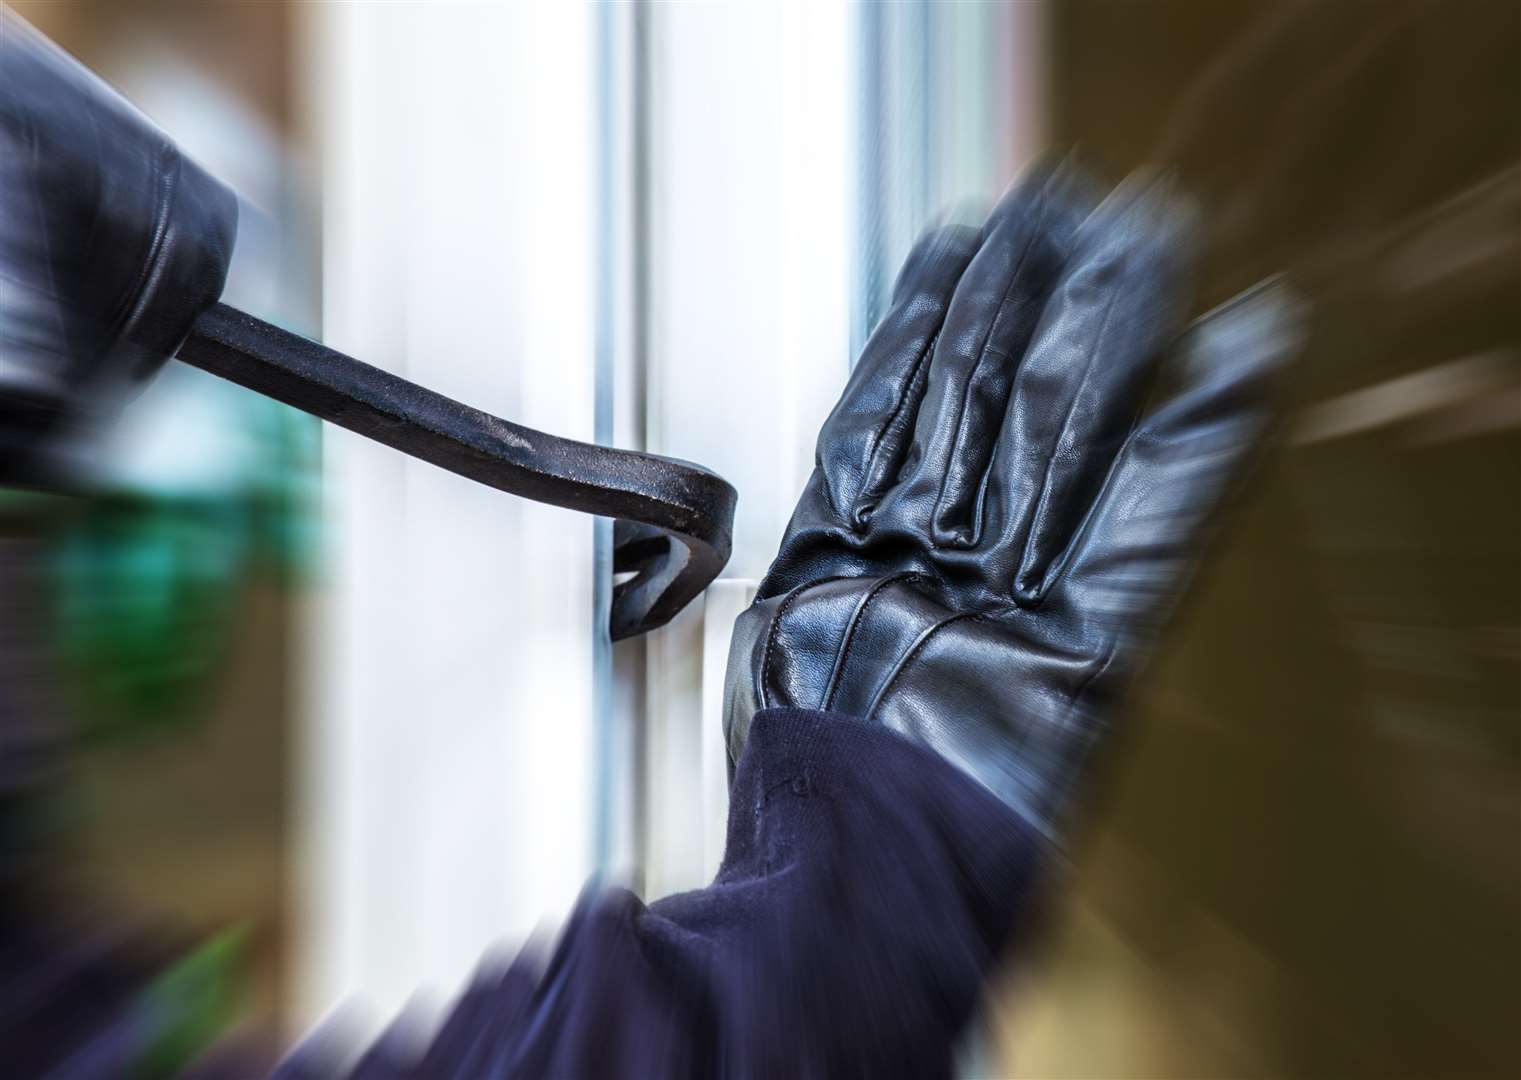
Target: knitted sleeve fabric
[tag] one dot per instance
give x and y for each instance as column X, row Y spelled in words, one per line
column 867, row 887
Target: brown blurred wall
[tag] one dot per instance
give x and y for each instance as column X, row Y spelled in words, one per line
column 1309, row 862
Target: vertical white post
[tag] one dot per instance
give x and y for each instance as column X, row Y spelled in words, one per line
column 750, row 229
column 447, row 762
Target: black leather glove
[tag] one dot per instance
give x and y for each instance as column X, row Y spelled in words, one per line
column 992, row 530
column 111, row 243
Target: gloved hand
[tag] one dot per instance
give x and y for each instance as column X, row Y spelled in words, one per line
column 111, row 243
column 993, row 530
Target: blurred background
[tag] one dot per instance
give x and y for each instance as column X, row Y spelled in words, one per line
column 337, row 722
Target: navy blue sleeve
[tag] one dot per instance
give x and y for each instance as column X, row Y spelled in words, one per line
column 866, row 889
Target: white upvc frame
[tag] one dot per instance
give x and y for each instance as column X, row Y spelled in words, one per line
column 645, row 224
column 751, row 152
column 446, row 763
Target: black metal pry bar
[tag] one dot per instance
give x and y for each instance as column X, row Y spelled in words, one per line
column 674, row 519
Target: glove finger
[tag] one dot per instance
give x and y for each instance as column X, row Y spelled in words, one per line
column 860, row 446
column 992, row 316
column 1082, row 382
column 1180, row 466
column 924, row 268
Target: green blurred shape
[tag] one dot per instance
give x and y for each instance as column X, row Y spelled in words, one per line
column 147, row 590
column 191, row 1004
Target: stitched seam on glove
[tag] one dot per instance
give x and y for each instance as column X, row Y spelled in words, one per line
column 1039, row 504
column 869, row 487
column 908, row 576
column 982, row 352
column 913, row 651
column 1059, row 564
column 776, row 627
